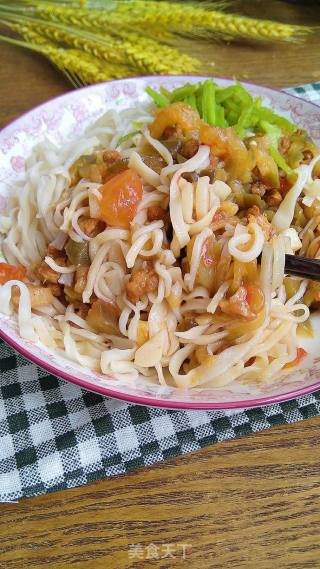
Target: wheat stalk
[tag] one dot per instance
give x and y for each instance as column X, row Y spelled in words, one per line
column 186, row 17
column 67, row 37
column 113, row 49
column 161, row 15
column 144, row 54
column 81, row 68
column 88, row 19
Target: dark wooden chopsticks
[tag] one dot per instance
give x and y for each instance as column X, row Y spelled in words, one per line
column 302, row 267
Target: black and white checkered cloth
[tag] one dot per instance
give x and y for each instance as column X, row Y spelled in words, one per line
column 54, row 435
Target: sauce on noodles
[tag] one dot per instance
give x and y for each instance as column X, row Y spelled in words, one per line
column 143, row 257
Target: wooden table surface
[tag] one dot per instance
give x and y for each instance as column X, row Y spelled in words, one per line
column 253, row 502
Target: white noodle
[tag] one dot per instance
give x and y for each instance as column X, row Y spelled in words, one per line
column 147, row 174
column 26, row 328
column 299, row 294
column 161, row 148
column 196, row 257
column 284, row 215
column 186, row 189
column 278, row 244
column 176, row 214
column 213, row 305
column 257, row 238
column 202, row 197
column 58, row 268
column 44, row 209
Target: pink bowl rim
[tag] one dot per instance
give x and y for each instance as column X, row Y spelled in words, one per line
column 150, row 401
column 135, row 399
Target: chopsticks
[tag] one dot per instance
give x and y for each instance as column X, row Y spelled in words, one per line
column 302, row 267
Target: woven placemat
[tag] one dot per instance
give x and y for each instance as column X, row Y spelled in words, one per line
column 54, row 435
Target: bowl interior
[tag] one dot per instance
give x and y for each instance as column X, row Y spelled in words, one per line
column 64, row 119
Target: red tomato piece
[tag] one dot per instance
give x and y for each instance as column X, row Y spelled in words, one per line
column 225, row 144
column 301, row 353
column 255, row 297
column 10, row 273
column 120, row 198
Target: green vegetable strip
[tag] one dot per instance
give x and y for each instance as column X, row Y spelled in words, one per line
column 159, row 99
column 237, row 92
column 255, row 112
column 165, row 93
column 244, row 120
column 229, row 106
column 247, row 200
column 279, row 160
column 126, row 137
column 191, row 100
column 223, row 94
column 220, row 118
column 183, row 92
column 268, row 115
column 232, row 118
column 209, row 103
column 205, row 102
column 248, row 119
column 233, row 106
column 272, row 130
column 244, row 95
column 199, row 99
column 274, row 134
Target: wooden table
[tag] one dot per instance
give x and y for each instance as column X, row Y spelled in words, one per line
column 253, row 502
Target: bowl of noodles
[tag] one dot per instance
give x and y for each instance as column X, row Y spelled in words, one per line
column 144, row 225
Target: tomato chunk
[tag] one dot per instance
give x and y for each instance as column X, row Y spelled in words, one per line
column 225, row 144
column 301, row 353
column 238, row 305
column 255, row 297
column 10, row 273
column 176, row 114
column 120, row 198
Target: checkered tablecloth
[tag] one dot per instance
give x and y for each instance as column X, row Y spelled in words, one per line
column 54, row 435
